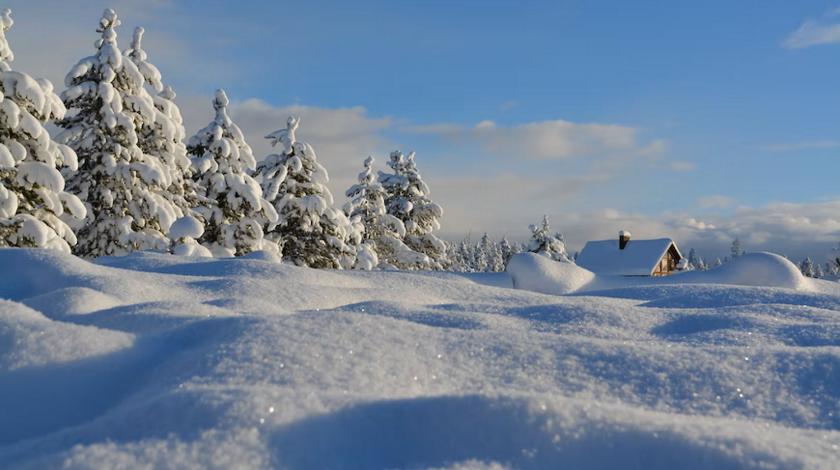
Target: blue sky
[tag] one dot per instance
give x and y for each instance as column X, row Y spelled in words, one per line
column 697, row 120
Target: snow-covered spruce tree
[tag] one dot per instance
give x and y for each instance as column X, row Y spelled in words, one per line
column 408, row 200
column 544, row 243
column 123, row 188
column 807, row 267
column 32, row 196
column 383, row 233
column 818, row 271
column 695, row 262
column 507, row 250
column 736, row 249
column 365, row 209
column 233, row 208
column 309, row 229
column 164, row 137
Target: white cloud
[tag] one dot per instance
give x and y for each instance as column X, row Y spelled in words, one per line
column 550, row 140
column 795, row 229
column 814, row 32
column 715, row 201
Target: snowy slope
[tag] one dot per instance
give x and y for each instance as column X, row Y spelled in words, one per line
column 160, row 361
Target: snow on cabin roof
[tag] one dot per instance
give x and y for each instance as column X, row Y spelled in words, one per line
column 638, row 258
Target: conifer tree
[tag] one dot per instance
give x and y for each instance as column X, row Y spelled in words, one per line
column 807, row 267
column 309, row 229
column 542, row 242
column 164, row 137
column 408, row 200
column 507, row 250
column 695, row 261
column 123, row 188
column 233, row 208
column 382, row 232
column 32, row 196
column 736, row 249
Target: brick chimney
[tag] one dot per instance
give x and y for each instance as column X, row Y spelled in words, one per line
column 623, row 239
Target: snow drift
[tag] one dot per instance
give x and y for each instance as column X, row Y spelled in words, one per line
column 538, row 273
column 529, row 271
column 168, row 362
column 752, row 269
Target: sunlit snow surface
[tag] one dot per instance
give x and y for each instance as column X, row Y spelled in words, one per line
column 160, row 361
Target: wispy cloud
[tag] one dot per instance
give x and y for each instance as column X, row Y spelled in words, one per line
column 550, row 140
column 812, row 145
column 715, row 201
column 815, row 32
column 795, row 229
column 681, row 166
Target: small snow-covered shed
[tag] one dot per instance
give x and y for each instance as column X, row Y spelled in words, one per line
column 623, row 257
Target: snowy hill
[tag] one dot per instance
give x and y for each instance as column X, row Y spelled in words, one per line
column 165, row 361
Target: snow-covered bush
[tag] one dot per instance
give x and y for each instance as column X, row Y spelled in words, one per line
column 309, row 229
column 544, row 243
column 407, row 199
column 124, row 188
column 32, row 197
column 185, row 233
column 233, row 208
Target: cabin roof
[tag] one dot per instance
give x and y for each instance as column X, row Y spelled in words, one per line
column 638, row 258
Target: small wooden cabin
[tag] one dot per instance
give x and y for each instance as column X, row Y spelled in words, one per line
column 626, row 257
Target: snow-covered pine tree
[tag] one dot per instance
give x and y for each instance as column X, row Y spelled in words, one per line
column 383, row 232
column 234, row 210
column 164, row 137
column 818, row 271
column 123, row 188
column 543, row 243
column 310, row 230
column 408, row 200
column 695, row 261
column 736, row 249
column 807, row 267
column 32, row 196
column 717, row 262
column 507, row 250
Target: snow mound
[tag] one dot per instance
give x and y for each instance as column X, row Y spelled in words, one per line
column 28, row 272
column 71, row 301
column 473, row 431
column 752, row 269
column 27, row 339
column 533, row 272
column 187, row 226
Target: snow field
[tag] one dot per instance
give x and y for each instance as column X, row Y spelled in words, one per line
column 163, row 361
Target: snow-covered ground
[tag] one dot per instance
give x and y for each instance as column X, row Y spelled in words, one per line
column 162, row 361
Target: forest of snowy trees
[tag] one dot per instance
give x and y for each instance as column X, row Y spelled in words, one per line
column 121, row 176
